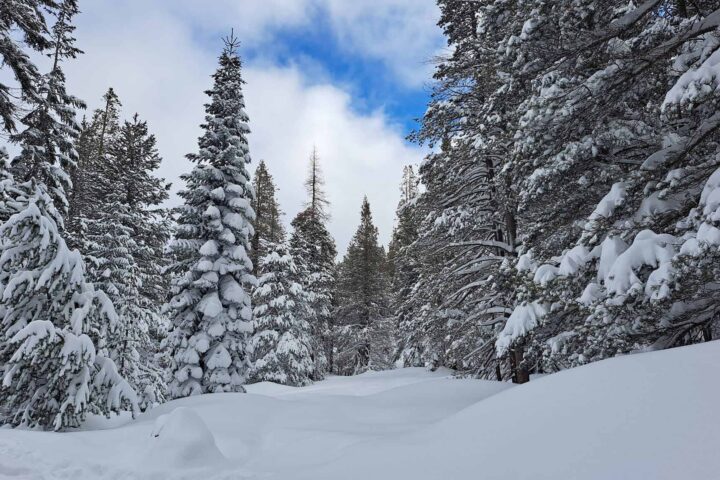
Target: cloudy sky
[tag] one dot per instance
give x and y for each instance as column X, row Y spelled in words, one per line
column 349, row 76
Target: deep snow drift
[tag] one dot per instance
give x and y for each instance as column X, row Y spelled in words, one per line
column 643, row 416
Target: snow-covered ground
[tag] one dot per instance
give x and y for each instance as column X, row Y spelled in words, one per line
column 650, row 416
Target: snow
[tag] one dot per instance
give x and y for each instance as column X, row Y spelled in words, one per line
column 607, row 206
column 181, row 439
column 650, row 415
column 524, row 318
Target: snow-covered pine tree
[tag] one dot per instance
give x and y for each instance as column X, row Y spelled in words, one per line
column 636, row 274
column 364, row 333
column 268, row 224
column 469, row 227
column 126, row 238
column 402, row 265
column 50, row 128
column 405, row 231
column 52, row 318
column 22, row 24
column 211, row 309
column 282, row 343
column 92, row 178
column 314, row 251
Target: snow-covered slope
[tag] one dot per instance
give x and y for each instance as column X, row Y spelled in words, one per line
column 649, row 416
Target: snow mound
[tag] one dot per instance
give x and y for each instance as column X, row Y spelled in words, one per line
column 646, row 416
column 181, row 439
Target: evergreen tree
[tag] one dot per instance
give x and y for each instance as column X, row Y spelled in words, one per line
column 210, row 311
column 314, row 251
column 626, row 262
column 54, row 323
column 268, row 227
column 116, row 222
column 126, row 237
column 48, row 152
column 282, row 342
column 22, row 21
column 364, row 332
column 405, row 231
column 93, row 178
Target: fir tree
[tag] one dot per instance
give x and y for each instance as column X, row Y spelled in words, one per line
column 405, row 231
column 48, row 152
column 314, row 251
column 282, row 343
column 268, row 226
column 54, row 323
column 210, row 311
column 364, row 333
column 22, row 21
column 116, row 223
column 93, row 179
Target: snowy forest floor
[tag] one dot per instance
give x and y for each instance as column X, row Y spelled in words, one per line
column 648, row 416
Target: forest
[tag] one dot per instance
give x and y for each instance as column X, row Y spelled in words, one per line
column 567, row 212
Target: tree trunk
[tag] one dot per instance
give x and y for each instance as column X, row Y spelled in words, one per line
column 707, row 333
column 520, row 372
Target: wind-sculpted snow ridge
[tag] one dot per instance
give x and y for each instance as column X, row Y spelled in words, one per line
column 641, row 416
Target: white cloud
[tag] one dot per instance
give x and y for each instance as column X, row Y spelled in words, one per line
column 360, row 154
column 150, row 53
column 400, row 33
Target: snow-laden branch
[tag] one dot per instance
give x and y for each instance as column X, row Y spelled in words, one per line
column 485, row 243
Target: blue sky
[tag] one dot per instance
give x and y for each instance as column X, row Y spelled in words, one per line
column 371, row 83
column 349, row 77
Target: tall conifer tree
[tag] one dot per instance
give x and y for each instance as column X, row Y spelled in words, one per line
column 268, row 224
column 54, row 323
column 364, row 333
column 282, row 342
column 211, row 309
column 314, row 250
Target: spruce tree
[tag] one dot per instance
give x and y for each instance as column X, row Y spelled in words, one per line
column 54, row 322
column 405, row 231
column 211, row 309
column 48, row 152
column 314, row 251
column 93, row 178
column 282, row 342
column 364, row 333
column 22, row 23
column 116, row 223
column 268, row 225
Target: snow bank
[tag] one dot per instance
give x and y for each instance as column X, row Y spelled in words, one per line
column 642, row 416
column 647, row 416
column 181, row 440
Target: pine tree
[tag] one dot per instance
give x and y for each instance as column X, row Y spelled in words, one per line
column 115, row 221
column 625, row 264
column 282, row 342
column 126, row 237
column 210, row 311
column 136, row 156
column 22, row 21
column 54, row 323
column 364, row 333
column 93, row 179
column 268, row 226
column 405, row 231
column 314, row 251
column 47, row 141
